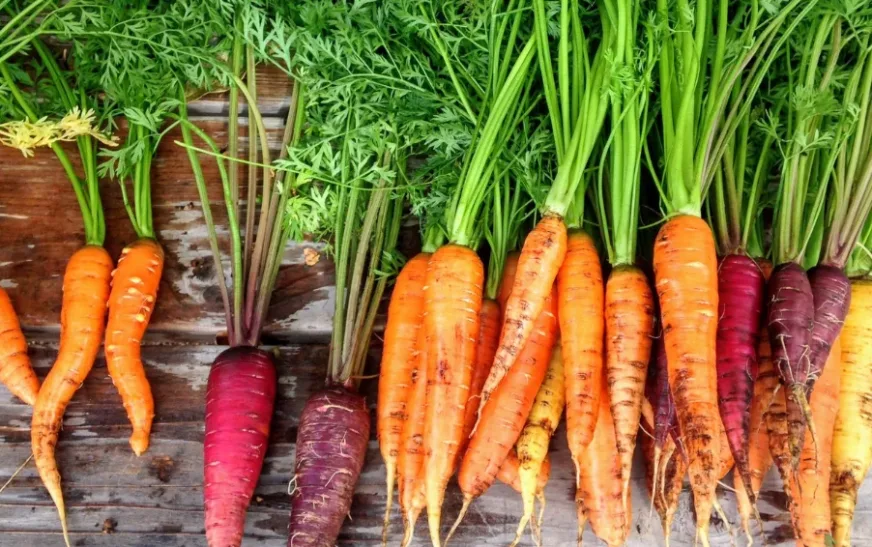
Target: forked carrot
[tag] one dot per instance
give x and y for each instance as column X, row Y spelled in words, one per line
column 131, row 301
column 685, row 267
column 15, row 370
column 580, row 301
column 665, row 487
column 399, row 355
column 83, row 316
column 455, row 278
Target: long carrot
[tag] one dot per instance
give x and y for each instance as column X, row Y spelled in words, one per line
column 852, row 435
column 503, row 417
column 580, row 302
column 83, row 315
column 486, row 347
column 452, row 308
column 134, row 291
column 685, row 267
column 15, row 370
column 405, row 314
column 411, row 456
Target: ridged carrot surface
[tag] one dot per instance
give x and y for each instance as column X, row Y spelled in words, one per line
column 488, row 338
column 15, row 370
column 131, row 301
column 83, row 316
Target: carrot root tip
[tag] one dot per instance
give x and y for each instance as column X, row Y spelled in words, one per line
column 467, row 500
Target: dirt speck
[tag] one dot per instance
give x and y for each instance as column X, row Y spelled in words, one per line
column 311, row 256
column 162, row 467
column 258, row 499
column 109, row 526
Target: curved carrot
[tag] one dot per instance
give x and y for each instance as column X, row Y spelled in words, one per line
column 488, row 338
column 580, row 306
column 405, row 315
column 629, row 320
column 540, row 259
column 455, row 277
column 685, row 267
column 410, row 460
column 503, row 417
column 510, row 268
column 131, row 301
column 15, row 370
column 83, row 315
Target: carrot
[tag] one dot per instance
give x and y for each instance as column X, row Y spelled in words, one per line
column 411, row 457
column 725, row 457
column 504, row 415
column 540, row 259
column 131, row 302
column 488, row 338
column 759, row 458
column 508, row 279
column 811, row 489
column 398, row 361
column 779, row 444
column 533, row 443
column 600, row 482
column 685, row 268
column 852, row 435
column 509, row 473
column 580, row 302
column 15, row 370
column 452, row 308
column 83, row 313
column 664, row 488
column 629, row 323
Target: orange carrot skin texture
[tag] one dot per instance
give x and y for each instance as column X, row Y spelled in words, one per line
column 399, row 357
column 455, row 278
column 726, row 456
column 411, row 457
column 508, row 473
column 83, row 316
column 685, row 267
column 811, row 488
column 131, row 301
column 540, row 259
column 15, row 370
column 600, row 482
column 508, row 280
column 629, row 320
column 580, row 304
column 488, row 338
column 505, row 414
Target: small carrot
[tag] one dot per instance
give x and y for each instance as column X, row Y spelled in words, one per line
column 685, row 268
column 131, row 301
column 629, row 321
column 533, row 443
column 504, row 415
column 726, row 456
column 399, row 356
column 488, row 338
column 83, row 313
column 410, row 459
column 540, row 259
column 508, row 279
column 455, row 277
column 580, row 301
column 665, row 487
column 15, row 370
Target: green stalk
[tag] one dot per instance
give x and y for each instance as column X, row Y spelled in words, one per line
column 233, row 115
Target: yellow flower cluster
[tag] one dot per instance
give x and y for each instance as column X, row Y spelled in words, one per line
column 26, row 136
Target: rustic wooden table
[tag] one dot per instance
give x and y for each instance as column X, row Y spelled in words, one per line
column 116, row 499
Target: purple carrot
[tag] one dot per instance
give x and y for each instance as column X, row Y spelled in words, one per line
column 660, row 395
column 240, row 396
column 790, row 322
column 331, row 445
column 740, row 294
column 832, row 297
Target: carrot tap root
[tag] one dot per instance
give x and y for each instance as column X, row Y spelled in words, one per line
column 467, row 501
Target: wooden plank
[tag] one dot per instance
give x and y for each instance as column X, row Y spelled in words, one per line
column 156, row 499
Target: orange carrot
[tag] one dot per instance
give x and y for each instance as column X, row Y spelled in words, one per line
column 580, row 302
column 540, row 259
column 410, row 460
column 504, row 415
column 629, row 321
column 508, row 280
column 15, row 370
column 83, row 313
column 455, row 277
column 399, row 355
column 811, row 489
column 131, row 301
column 600, row 481
column 488, row 338
column 726, row 456
column 685, row 267
column 508, row 473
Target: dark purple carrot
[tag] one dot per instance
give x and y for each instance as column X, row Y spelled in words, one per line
column 790, row 322
column 740, row 295
column 240, row 395
column 831, row 290
column 658, row 393
column 331, row 444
